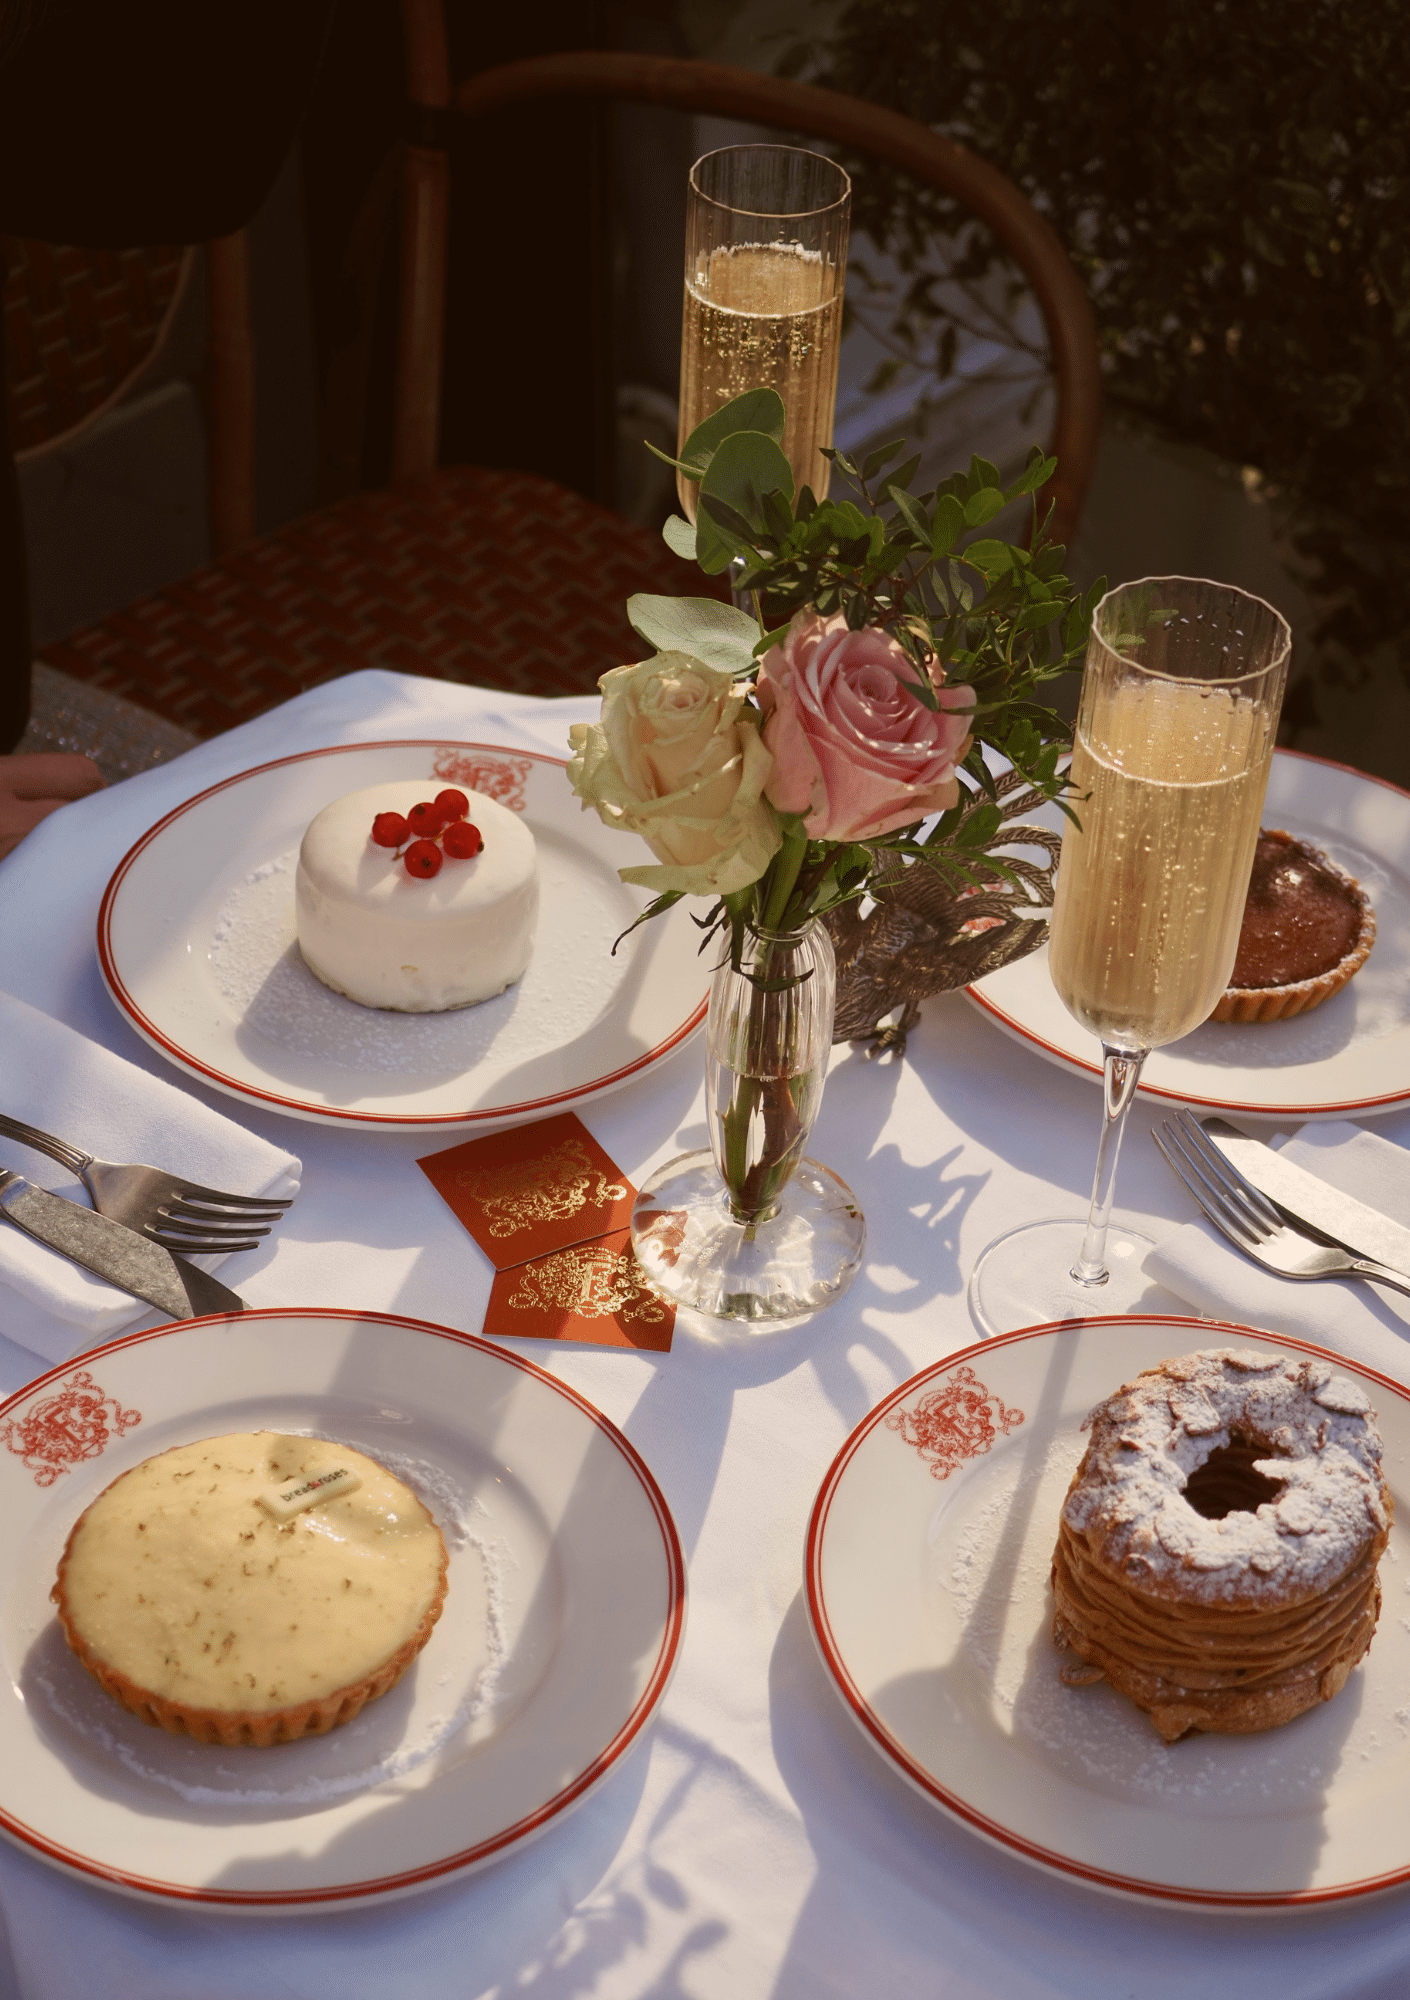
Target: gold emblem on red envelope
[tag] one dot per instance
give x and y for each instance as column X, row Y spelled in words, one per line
column 592, row 1292
column 556, row 1186
column 551, row 1209
column 536, row 1189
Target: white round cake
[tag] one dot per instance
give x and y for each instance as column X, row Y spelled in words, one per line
column 385, row 938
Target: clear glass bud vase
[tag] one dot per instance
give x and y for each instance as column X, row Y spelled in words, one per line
column 751, row 1229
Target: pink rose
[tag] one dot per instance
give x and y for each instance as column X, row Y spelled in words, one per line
column 853, row 749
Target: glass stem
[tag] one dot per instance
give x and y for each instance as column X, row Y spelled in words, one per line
column 1121, row 1072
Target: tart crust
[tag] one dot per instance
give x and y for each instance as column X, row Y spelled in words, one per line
column 245, row 1728
column 239, row 1508
column 1281, row 1003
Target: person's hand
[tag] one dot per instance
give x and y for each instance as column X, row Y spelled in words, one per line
column 32, row 787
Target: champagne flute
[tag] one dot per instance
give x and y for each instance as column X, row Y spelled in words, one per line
column 1174, row 740
column 765, row 262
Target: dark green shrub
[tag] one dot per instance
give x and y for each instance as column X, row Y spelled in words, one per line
column 1232, row 177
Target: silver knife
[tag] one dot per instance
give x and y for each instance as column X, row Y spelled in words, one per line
column 110, row 1250
column 1362, row 1230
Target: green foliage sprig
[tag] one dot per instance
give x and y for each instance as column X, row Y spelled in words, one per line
column 1002, row 618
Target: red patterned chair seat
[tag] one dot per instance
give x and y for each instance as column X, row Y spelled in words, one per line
column 498, row 579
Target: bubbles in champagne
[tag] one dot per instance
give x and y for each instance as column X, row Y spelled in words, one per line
column 763, row 316
column 1151, row 891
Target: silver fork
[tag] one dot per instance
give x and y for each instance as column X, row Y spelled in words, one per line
column 1251, row 1222
column 179, row 1214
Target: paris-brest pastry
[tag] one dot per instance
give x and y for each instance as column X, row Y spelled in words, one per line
column 1218, row 1547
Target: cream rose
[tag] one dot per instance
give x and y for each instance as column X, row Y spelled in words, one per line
column 677, row 758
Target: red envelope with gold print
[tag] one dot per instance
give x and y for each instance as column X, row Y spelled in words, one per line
column 591, row 1292
column 532, row 1190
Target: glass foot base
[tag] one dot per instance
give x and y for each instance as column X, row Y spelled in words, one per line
column 1025, row 1276
column 693, row 1252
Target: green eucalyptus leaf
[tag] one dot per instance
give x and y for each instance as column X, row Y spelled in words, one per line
column 949, row 523
column 721, row 534
column 679, row 536
column 778, row 515
column 911, row 514
column 756, row 410
column 768, row 639
column 1035, row 618
column 882, row 456
column 719, row 634
column 992, row 557
column 745, row 467
column 981, row 826
column 1036, row 473
column 849, row 523
column 983, row 506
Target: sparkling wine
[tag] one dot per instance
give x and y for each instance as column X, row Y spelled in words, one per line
column 763, row 316
column 1150, row 893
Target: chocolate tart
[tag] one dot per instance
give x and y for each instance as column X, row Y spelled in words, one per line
column 1308, row 928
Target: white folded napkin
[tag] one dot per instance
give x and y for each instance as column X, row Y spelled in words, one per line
column 72, row 1088
column 1365, row 1322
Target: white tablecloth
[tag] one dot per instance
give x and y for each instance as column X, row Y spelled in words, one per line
column 754, row 1844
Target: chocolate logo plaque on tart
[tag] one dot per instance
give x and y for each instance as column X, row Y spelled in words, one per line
column 1308, row 928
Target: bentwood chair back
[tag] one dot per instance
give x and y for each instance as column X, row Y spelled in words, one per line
column 696, row 88
column 491, row 577
column 713, row 88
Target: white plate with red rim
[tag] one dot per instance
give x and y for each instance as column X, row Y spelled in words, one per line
column 926, row 1580
column 1348, row 1057
column 562, row 1623
column 197, row 945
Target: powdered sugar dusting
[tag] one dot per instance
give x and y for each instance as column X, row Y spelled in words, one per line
column 1323, row 1452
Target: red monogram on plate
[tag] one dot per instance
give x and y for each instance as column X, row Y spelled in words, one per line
column 957, row 1421
column 63, row 1429
column 499, row 778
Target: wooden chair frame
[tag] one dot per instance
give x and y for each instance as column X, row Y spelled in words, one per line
column 686, row 86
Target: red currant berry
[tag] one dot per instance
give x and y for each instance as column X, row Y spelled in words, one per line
column 462, row 840
column 389, row 829
column 425, row 820
column 453, row 804
column 423, row 859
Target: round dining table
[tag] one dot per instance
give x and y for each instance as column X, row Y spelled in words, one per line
column 753, row 1843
